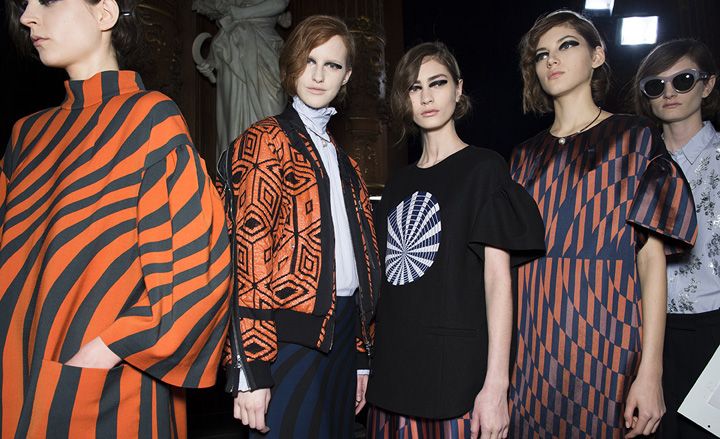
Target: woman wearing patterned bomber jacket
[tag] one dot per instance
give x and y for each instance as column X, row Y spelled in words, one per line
column 306, row 259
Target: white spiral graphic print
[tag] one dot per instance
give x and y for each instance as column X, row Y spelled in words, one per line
column 413, row 238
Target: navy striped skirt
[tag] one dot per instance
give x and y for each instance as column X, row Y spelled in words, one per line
column 388, row 425
column 314, row 393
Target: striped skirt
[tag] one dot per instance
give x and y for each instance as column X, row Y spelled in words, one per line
column 314, row 393
column 387, row 425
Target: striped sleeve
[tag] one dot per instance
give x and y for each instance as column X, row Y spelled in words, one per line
column 257, row 187
column 175, row 330
column 3, row 194
column 663, row 203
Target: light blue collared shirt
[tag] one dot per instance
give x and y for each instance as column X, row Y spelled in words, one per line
column 694, row 278
column 316, row 120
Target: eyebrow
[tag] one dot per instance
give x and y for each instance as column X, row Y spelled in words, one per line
column 432, row 78
column 559, row 39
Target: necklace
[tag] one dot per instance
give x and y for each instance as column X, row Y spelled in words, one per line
column 563, row 139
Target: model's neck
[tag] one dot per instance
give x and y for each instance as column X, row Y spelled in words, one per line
column 439, row 144
column 678, row 134
column 100, row 61
column 574, row 112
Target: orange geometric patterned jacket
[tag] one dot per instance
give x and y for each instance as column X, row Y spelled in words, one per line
column 278, row 202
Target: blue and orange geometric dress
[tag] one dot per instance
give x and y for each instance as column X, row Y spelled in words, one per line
column 579, row 311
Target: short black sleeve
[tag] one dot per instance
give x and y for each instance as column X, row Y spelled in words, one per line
column 510, row 221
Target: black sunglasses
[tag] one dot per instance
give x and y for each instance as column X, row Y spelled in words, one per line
column 682, row 82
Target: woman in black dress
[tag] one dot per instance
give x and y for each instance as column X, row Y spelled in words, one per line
column 449, row 228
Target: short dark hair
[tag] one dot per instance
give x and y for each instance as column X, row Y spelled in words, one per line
column 126, row 34
column 665, row 56
column 310, row 33
column 535, row 99
column 406, row 74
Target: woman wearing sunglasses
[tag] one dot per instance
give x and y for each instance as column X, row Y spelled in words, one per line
column 589, row 361
column 674, row 86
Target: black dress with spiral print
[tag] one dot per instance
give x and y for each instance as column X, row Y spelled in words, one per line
column 431, row 327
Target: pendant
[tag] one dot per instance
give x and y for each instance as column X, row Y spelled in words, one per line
column 561, row 140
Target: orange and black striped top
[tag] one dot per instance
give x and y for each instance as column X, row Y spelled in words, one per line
column 110, row 227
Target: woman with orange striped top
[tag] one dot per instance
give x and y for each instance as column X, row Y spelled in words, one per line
column 114, row 258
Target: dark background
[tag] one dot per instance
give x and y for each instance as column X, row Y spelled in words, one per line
column 482, row 35
column 485, row 45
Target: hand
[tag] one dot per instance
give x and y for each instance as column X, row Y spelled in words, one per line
column 94, row 355
column 251, row 407
column 362, row 381
column 285, row 19
column 490, row 418
column 206, row 70
column 645, row 396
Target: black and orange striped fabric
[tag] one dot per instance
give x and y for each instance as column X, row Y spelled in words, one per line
column 579, row 319
column 109, row 227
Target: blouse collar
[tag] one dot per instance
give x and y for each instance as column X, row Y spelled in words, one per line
column 698, row 142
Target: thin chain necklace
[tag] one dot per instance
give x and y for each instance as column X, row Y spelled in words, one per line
column 563, row 139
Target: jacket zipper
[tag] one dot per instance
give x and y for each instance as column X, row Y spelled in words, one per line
column 235, row 346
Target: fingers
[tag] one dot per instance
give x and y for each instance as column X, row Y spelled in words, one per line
column 360, row 390
column 359, row 406
column 639, row 424
column 628, row 414
column 653, row 424
column 487, row 433
column 251, row 419
column 251, row 408
column 236, row 410
column 474, row 425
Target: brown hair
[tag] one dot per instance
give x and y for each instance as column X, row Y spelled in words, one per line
column 665, row 56
column 310, row 33
column 126, row 34
column 406, row 74
column 535, row 99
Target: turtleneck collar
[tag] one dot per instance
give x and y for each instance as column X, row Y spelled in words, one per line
column 100, row 87
column 314, row 119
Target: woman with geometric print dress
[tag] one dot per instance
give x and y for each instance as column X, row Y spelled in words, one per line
column 592, row 310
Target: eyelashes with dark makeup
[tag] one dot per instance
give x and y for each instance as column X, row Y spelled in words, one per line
column 436, row 83
column 541, row 56
column 568, row 44
column 24, row 4
column 332, row 65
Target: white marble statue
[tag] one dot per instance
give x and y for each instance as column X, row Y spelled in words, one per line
column 243, row 61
